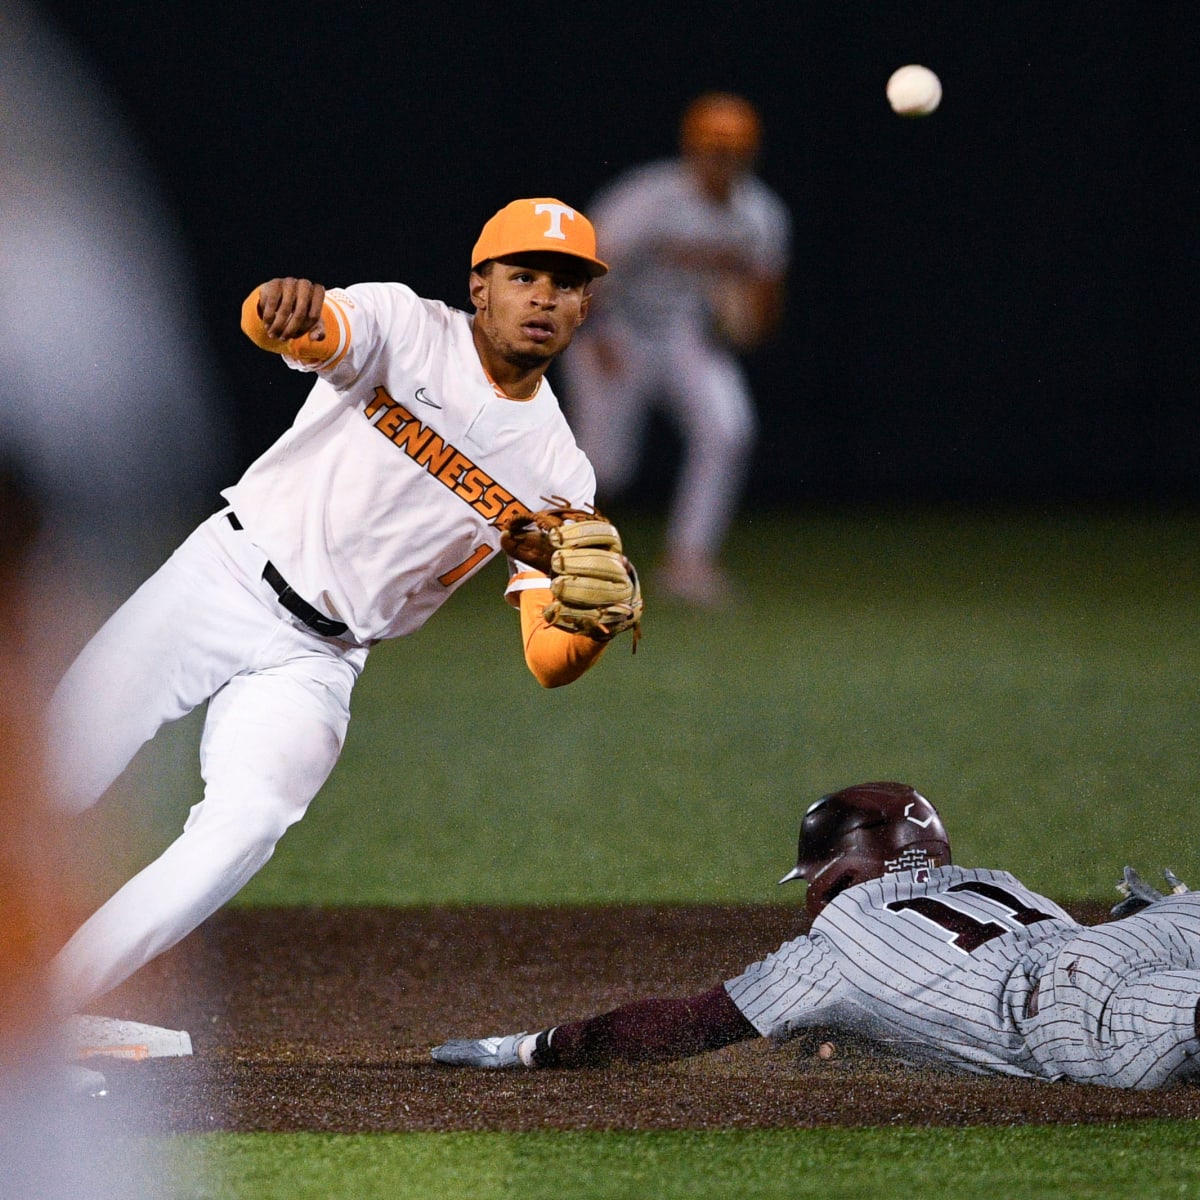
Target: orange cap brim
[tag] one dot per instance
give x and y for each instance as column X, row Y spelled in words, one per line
column 541, row 225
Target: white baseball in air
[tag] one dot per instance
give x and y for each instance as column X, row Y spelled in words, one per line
column 914, row 91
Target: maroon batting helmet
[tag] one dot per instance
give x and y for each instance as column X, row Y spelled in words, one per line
column 863, row 832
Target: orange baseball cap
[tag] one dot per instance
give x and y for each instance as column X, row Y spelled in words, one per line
column 540, row 224
column 721, row 121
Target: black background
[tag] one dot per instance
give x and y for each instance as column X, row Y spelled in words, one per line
column 991, row 303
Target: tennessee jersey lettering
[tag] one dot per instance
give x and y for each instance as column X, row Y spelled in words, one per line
column 446, row 464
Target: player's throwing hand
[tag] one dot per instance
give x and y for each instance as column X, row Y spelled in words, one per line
column 290, row 308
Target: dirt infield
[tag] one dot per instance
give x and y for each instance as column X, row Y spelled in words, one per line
column 322, row 1020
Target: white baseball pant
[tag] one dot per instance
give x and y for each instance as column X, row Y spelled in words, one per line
column 205, row 626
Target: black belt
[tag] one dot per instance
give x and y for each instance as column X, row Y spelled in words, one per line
column 318, row 622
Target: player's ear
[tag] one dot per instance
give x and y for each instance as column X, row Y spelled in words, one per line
column 478, row 289
column 584, row 305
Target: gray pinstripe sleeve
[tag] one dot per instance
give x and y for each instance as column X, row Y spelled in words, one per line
column 797, row 984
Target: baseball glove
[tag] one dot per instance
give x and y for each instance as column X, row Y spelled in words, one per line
column 595, row 587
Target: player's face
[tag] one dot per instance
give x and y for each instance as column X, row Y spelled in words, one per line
column 528, row 307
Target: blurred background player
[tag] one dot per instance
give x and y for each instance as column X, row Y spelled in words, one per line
column 702, row 247
column 958, row 968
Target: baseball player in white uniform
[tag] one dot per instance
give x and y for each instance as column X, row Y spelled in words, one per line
column 426, row 429
column 939, row 965
column 702, row 246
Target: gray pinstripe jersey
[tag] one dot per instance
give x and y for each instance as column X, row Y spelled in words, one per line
column 939, row 967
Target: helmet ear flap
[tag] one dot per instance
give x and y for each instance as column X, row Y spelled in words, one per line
column 821, row 892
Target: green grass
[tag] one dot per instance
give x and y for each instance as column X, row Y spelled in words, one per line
column 1038, row 676
column 1150, row 1161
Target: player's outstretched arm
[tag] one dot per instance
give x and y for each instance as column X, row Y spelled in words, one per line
column 641, row 1032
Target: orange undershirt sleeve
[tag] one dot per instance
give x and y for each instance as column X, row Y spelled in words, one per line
column 554, row 656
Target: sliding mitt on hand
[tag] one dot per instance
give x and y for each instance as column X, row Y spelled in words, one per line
column 595, row 587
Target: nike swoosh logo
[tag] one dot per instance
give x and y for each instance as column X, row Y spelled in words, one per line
column 422, row 396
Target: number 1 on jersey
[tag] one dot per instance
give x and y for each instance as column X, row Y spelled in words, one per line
column 968, row 932
column 468, row 564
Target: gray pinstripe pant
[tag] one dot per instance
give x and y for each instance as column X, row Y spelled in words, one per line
column 1117, row 1005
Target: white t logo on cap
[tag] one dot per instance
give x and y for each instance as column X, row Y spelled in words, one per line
column 557, row 212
